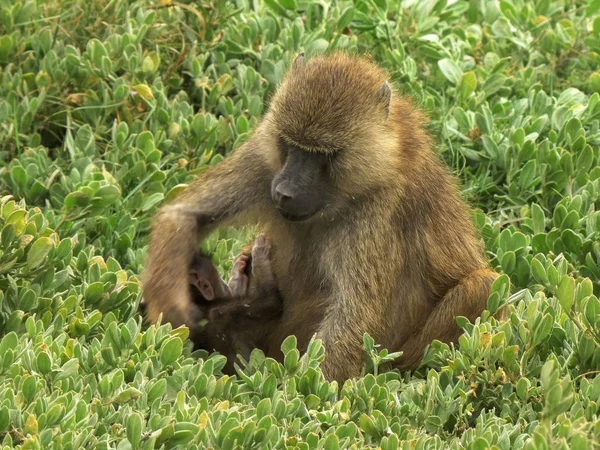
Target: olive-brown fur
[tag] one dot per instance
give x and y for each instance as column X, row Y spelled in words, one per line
column 393, row 253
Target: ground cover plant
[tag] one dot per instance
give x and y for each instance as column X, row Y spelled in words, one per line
column 108, row 108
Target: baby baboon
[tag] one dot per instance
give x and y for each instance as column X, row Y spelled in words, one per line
column 369, row 232
column 205, row 282
column 238, row 316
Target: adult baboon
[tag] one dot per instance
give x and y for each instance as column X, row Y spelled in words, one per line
column 368, row 231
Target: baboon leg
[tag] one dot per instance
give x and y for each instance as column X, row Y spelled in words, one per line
column 468, row 298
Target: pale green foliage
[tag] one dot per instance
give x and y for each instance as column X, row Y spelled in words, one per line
column 109, row 108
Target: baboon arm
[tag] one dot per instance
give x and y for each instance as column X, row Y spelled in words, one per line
column 468, row 298
column 360, row 297
column 357, row 306
column 342, row 335
column 225, row 192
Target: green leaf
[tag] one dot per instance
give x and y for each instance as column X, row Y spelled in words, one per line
column 594, row 80
column 584, row 161
column 7, row 236
column 109, row 194
column 77, row 198
column 572, row 241
column 8, row 342
column 517, row 242
column 288, row 344
column 170, row 351
column 269, row 385
column 70, row 368
column 288, row 4
column 157, row 390
column 19, row 176
column 6, row 45
column 290, row 360
column 151, row 64
column 128, row 395
column 523, row 386
column 566, row 293
column 134, row 429
column 543, row 329
column 480, row 443
column 509, row 262
column 3, row 111
column 263, row 408
column 539, row 218
column 43, row 363
column 63, row 248
column 4, row 418
column 29, row 389
column 38, row 252
column 549, row 374
column 345, row 18
column 175, row 192
column 152, row 200
column 94, row 292
column 592, row 310
column 466, row 85
column 527, row 176
column 368, row 426
column 450, row 70
column 331, row 443
column 571, row 221
column 592, row 8
column 27, row 300
column 539, row 272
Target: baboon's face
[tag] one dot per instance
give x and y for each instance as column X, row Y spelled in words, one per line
column 205, row 282
column 302, row 187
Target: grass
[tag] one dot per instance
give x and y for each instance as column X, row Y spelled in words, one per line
column 108, row 108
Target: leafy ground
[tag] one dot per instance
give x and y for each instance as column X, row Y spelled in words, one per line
column 107, row 108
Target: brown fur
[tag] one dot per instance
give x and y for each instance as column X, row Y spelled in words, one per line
column 241, row 320
column 394, row 253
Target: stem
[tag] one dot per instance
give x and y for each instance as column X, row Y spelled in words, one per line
column 17, row 134
column 67, row 218
column 579, row 325
column 524, row 360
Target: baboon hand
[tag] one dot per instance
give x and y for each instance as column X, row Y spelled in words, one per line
column 261, row 250
column 238, row 283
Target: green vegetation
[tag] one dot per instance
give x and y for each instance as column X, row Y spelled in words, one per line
column 107, row 108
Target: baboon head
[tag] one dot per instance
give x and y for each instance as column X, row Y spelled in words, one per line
column 329, row 119
column 205, row 281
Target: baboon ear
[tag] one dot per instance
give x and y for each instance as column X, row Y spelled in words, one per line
column 385, row 93
column 299, row 61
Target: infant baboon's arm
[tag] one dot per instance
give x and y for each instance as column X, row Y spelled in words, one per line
column 254, row 294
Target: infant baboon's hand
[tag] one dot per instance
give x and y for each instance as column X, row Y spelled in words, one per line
column 238, row 284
